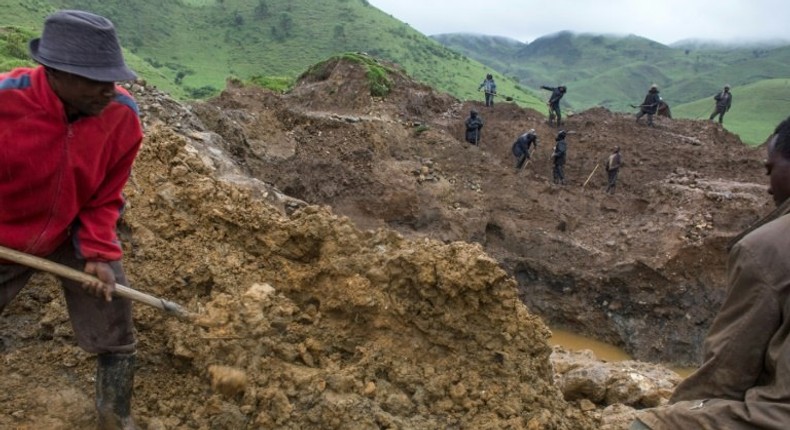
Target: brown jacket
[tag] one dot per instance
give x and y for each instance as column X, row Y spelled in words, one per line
column 744, row 381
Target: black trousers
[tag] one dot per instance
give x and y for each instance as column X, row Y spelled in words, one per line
column 554, row 111
column 720, row 113
column 612, row 180
column 99, row 326
column 489, row 99
column 559, row 173
column 521, row 161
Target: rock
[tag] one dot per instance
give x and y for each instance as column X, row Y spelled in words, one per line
column 226, row 380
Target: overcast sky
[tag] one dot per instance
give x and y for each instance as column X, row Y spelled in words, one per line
column 664, row 21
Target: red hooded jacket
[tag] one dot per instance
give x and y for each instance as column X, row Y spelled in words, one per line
column 61, row 179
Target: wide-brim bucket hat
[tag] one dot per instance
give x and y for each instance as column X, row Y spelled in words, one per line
column 83, row 44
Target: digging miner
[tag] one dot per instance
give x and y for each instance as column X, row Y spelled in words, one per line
column 650, row 105
column 521, row 148
column 744, row 380
column 554, row 103
column 68, row 138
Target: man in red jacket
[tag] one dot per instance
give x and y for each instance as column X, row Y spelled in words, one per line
column 68, row 138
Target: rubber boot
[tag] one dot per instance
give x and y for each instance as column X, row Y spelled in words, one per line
column 114, row 385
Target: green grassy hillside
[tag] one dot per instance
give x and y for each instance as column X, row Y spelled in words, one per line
column 756, row 109
column 195, row 45
column 13, row 47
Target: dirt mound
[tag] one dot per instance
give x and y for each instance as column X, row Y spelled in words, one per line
column 306, row 321
column 612, row 267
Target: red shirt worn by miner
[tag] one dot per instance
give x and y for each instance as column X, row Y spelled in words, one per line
column 61, row 179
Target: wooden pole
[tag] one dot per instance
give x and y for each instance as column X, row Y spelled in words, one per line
column 75, row 275
column 591, row 174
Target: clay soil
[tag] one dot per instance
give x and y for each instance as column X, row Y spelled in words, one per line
column 356, row 265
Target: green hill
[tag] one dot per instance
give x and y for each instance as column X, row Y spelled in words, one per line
column 195, row 45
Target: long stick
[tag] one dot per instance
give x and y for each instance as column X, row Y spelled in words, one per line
column 529, row 158
column 591, row 173
column 75, row 275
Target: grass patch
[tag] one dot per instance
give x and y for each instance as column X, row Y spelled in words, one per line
column 420, row 129
column 279, row 84
column 13, row 48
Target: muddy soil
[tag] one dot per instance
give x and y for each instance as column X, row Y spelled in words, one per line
column 642, row 269
column 356, row 265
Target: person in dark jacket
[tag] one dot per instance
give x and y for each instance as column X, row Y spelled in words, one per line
column 613, row 164
column 558, row 157
column 744, row 380
column 68, row 139
column 474, row 124
column 521, row 147
column 723, row 103
column 554, row 103
column 489, row 86
column 649, row 107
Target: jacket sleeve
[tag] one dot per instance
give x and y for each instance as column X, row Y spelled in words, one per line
column 734, row 350
column 95, row 234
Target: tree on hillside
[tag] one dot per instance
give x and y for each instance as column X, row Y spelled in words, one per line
column 262, row 10
column 340, row 32
column 238, row 20
column 16, row 44
column 284, row 27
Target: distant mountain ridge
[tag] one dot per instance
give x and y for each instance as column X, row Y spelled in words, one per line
column 724, row 45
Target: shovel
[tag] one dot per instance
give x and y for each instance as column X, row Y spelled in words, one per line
column 507, row 98
column 75, row 275
column 591, row 175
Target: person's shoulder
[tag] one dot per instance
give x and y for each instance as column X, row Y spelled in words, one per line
column 19, row 78
column 773, row 233
column 123, row 98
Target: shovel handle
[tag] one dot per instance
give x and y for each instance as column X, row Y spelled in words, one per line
column 75, row 275
column 591, row 174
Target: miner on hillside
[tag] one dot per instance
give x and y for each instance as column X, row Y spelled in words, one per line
column 744, row 380
column 521, row 147
column 723, row 103
column 474, row 124
column 554, row 103
column 558, row 158
column 613, row 164
column 68, row 138
column 489, row 86
column 650, row 105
